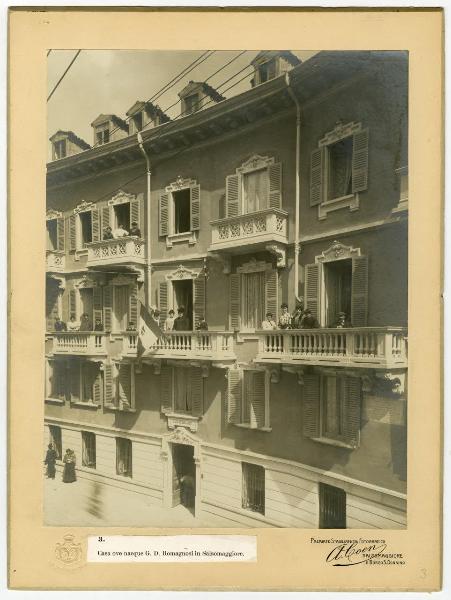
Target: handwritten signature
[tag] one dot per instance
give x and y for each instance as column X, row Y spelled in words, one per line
column 347, row 555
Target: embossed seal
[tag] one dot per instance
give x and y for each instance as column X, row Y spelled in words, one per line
column 68, row 552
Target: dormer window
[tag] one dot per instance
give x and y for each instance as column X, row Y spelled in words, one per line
column 191, row 104
column 267, row 71
column 59, row 149
column 138, row 121
column 66, row 143
column 103, row 135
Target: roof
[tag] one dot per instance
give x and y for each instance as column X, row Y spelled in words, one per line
column 207, row 89
column 286, row 54
column 153, row 110
column 113, row 118
column 70, row 135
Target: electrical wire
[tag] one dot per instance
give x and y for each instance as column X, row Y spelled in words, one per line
column 63, row 75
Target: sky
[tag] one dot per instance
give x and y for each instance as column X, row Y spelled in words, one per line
column 110, row 82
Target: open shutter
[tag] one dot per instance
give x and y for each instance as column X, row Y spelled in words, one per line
column 234, row 395
column 107, row 308
column 108, row 384
column 97, row 303
column 234, row 300
column 275, row 185
column 125, row 384
column 360, row 161
column 258, row 400
column 105, row 218
column 199, row 299
column 232, row 195
column 97, row 388
column 51, row 311
column 72, row 233
column 195, row 380
column 312, row 288
column 163, row 225
column 163, row 300
column 60, row 233
column 310, row 406
column 96, row 233
column 136, row 209
column 195, row 208
column 166, row 389
column 359, row 298
column 133, row 305
column 351, row 424
column 75, row 381
column 271, row 292
column 72, row 303
column 317, row 162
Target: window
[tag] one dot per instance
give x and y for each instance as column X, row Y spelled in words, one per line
column 58, row 380
column 191, row 104
column 247, row 399
column 253, row 487
column 86, row 382
column 86, row 227
column 333, row 395
column 138, row 121
column 59, row 149
column 123, row 386
column 182, row 390
column 103, row 136
column 52, row 234
column 251, row 295
column 179, row 211
column 55, row 439
column 124, row 457
column 332, row 507
column 338, row 290
column 253, row 300
column 255, row 191
column 339, row 169
column 122, row 215
column 267, row 71
column 88, row 449
column 182, row 210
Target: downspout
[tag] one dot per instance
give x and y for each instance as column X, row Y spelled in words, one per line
column 148, row 287
column 298, row 187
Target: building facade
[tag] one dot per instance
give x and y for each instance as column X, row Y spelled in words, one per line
column 294, row 192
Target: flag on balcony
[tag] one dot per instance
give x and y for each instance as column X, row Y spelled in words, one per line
column 149, row 331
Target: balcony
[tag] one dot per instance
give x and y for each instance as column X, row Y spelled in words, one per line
column 369, row 347
column 83, row 343
column 265, row 229
column 55, row 261
column 122, row 251
column 205, row 345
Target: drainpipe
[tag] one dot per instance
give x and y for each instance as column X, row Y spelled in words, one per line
column 298, row 189
column 148, row 287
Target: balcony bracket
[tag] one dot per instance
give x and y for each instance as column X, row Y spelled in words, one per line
column 274, row 374
column 60, row 280
column 280, row 253
column 391, row 383
column 223, row 259
column 367, row 383
column 298, row 371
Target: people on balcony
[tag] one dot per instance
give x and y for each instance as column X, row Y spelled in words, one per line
column 120, row 232
column 308, row 321
column 297, row 315
column 108, row 233
column 342, row 321
column 269, row 322
column 73, row 324
column 98, row 326
column 202, row 325
column 60, row 325
column 135, row 230
column 155, row 314
column 85, row 323
column 169, row 323
column 285, row 318
column 131, row 326
column 181, row 323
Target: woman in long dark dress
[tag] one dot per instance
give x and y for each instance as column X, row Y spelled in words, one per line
column 50, row 461
column 69, row 461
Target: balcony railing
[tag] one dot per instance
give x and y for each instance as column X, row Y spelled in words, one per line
column 264, row 226
column 118, row 251
column 209, row 345
column 79, row 342
column 383, row 347
column 55, row 260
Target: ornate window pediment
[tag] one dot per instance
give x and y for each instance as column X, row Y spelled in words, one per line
column 84, row 206
column 182, row 436
column 255, row 163
column 337, row 251
column 180, row 184
column 254, row 266
column 183, row 273
column 339, row 132
column 53, row 214
column 121, row 198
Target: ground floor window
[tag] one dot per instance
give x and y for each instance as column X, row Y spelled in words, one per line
column 253, row 490
column 57, row 380
column 124, row 457
column 88, row 449
column 332, row 507
column 55, row 439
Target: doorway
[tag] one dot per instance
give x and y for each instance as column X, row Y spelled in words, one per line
column 338, row 287
column 86, row 297
column 121, row 295
column 122, row 216
column 183, row 476
column 86, row 227
column 183, row 296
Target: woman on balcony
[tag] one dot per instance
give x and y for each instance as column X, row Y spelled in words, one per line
column 73, row 324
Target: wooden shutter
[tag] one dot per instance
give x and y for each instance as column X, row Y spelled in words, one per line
column 97, row 389
column 163, row 224
column 60, row 233
column 195, row 207
column 199, row 299
column 360, row 161
column 275, row 185
column 310, row 406
column 271, row 285
column 108, row 384
column 105, row 218
column 51, row 304
column 125, row 383
column 72, row 233
column 75, row 381
column 312, row 288
column 196, row 385
column 72, row 303
column 97, row 303
column 96, row 233
column 352, row 404
column 136, row 210
column 163, row 300
column 258, row 402
column 166, row 389
column 133, row 305
column 235, row 300
column 233, row 195
column 359, row 290
column 234, row 395
column 107, row 308
column 317, row 163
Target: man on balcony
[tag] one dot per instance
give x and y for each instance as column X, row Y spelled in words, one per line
column 308, row 321
column 135, row 230
column 85, row 323
column 108, row 233
column 60, row 325
column 181, row 323
column 269, row 322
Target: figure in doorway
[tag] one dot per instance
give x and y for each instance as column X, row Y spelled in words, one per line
column 285, row 317
column 50, row 461
column 202, row 324
column 85, row 323
column 69, row 461
column 181, row 323
column 187, row 490
column 342, row 321
column 108, row 233
column 169, row 323
column 308, row 321
column 60, row 325
column 73, row 324
column 297, row 316
column 135, row 230
column 120, row 232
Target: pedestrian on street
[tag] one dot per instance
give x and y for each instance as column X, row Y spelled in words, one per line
column 69, row 461
column 50, row 461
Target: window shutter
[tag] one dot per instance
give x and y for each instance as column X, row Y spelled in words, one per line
column 108, row 384
column 195, row 208
column 72, row 233
column 199, row 299
column 163, row 300
column 136, row 212
column 353, row 398
column 97, row 389
column 234, row 396
column 258, row 400
column 75, row 381
column 60, row 233
column 271, row 285
column 133, row 305
column 310, row 406
column 360, row 161
column 317, row 176
column 235, row 301
column 107, row 308
column 196, row 391
column 359, row 298
column 125, row 383
column 233, row 195
column 164, row 215
column 72, row 303
column 51, row 306
column 95, row 220
column 105, row 218
column 312, row 288
column 97, row 303
column 275, row 185
column 166, row 389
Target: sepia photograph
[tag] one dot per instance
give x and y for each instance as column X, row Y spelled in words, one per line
column 226, row 289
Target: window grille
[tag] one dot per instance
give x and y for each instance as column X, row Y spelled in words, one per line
column 253, row 488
